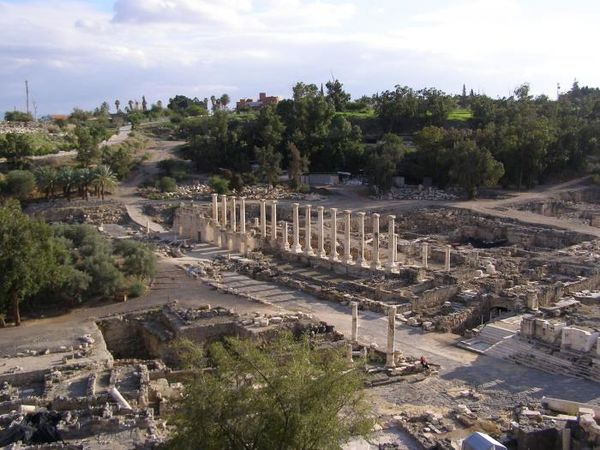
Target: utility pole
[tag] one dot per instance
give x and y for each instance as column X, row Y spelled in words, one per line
column 27, row 94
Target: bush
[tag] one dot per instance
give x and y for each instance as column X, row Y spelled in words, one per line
column 219, row 185
column 136, row 289
column 167, row 184
column 19, row 184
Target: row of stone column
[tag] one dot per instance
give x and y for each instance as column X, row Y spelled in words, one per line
column 333, row 256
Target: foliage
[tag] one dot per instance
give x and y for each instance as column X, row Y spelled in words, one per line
column 336, row 95
column 138, row 258
column 104, row 180
column 382, row 162
column 297, row 166
column 16, row 148
column 136, row 289
column 29, row 260
column 167, row 184
column 184, row 354
column 278, row 395
column 19, row 184
column 174, row 168
column 269, row 164
column 18, row 116
column 219, row 184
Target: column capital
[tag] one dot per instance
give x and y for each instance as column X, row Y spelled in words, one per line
column 333, row 210
column 347, row 211
column 320, row 208
column 375, row 215
column 361, row 213
column 273, row 202
column 391, row 216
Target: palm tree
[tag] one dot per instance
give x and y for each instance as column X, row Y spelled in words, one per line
column 47, row 180
column 104, row 179
column 85, row 178
column 68, row 179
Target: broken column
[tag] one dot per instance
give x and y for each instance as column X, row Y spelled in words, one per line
column 361, row 243
column 349, row 352
column 354, row 322
column 307, row 233
column 375, row 263
column 333, row 256
column 391, row 338
column 263, row 219
column 242, row 215
column 224, row 211
column 233, row 215
column 273, row 222
column 447, row 258
column 320, row 233
column 296, row 248
column 347, row 237
column 424, row 255
column 391, row 264
column 215, row 208
column 286, row 242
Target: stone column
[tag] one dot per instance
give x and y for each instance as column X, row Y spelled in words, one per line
column 361, row 243
column 263, row 219
column 147, row 227
column 447, row 259
column 391, row 264
column 224, row 211
column 354, row 322
column 308, row 250
column 233, row 215
column 180, row 231
column 296, row 247
column 333, row 256
column 375, row 263
column 243, row 215
column 215, row 208
column 273, row 222
column 286, row 243
column 349, row 352
column 348, row 236
column 321, row 233
column 424, row 254
column 391, row 342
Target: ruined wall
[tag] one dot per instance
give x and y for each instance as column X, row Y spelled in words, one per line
column 433, row 298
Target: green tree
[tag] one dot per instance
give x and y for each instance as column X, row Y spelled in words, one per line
column 167, row 184
column 473, row 167
column 68, row 180
column 28, row 260
column 298, row 165
column 18, row 116
column 19, row 184
column 88, row 151
column 138, row 258
column 269, row 164
column 382, row 163
column 336, row 95
column 104, row 180
column 47, row 180
column 16, row 148
column 281, row 395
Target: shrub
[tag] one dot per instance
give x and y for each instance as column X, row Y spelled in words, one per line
column 19, row 184
column 167, row 184
column 136, row 289
column 219, row 185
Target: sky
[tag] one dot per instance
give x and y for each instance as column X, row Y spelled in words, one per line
column 79, row 53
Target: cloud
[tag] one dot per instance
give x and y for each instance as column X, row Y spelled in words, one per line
column 76, row 53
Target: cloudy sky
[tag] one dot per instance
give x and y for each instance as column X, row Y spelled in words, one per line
column 82, row 52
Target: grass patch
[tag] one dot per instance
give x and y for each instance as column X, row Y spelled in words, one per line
column 365, row 113
column 460, row 114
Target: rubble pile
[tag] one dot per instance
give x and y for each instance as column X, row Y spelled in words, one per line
column 183, row 192
column 420, row 193
column 91, row 212
column 274, row 193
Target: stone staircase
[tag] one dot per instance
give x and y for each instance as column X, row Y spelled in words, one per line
column 504, row 343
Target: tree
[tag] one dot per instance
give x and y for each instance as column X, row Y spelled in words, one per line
column 138, row 258
column 382, row 163
column 298, row 165
column 269, row 164
column 336, row 95
column 473, row 167
column 68, row 180
column 18, row 116
column 144, row 104
column 167, row 184
column 19, row 184
column 118, row 105
column 224, row 101
column 47, row 180
column 281, row 395
column 88, row 151
column 104, row 180
column 16, row 148
column 28, row 260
